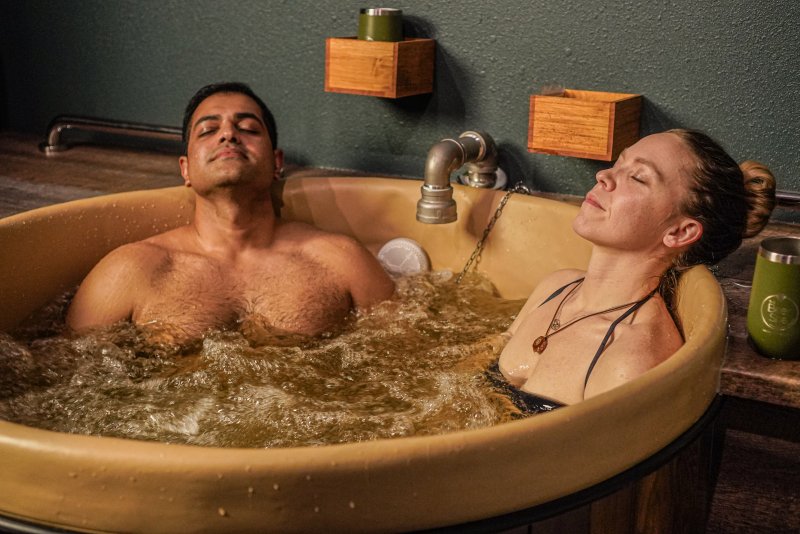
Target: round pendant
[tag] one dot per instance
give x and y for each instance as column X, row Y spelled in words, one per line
column 556, row 324
column 539, row 344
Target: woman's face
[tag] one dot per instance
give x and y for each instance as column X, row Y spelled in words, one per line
column 635, row 204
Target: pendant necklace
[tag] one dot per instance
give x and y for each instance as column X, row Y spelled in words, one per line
column 540, row 343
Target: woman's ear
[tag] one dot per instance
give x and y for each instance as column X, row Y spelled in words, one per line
column 683, row 234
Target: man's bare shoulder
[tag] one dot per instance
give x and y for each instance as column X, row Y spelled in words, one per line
column 109, row 292
column 316, row 240
column 140, row 257
column 344, row 257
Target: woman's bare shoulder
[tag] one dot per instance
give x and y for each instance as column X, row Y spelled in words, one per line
column 554, row 281
column 650, row 339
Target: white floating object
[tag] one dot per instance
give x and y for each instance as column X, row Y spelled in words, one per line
column 403, row 256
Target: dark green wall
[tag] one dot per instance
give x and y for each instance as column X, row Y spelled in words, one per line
column 730, row 68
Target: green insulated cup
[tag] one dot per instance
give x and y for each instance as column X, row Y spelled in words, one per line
column 380, row 24
column 773, row 316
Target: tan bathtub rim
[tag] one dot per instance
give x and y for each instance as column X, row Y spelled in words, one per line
column 398, row 484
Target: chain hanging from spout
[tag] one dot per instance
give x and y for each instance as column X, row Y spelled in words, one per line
column 476, row 254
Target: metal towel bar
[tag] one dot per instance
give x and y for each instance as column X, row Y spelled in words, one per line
column 62, row 123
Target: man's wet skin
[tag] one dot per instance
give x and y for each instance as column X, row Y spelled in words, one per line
column 236, row 263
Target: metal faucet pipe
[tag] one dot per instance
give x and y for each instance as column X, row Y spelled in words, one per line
column 436, row 204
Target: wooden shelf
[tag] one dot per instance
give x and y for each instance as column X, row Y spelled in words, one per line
column 379, row 68
column 584, row 124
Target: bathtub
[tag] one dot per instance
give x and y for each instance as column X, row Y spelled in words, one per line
column 108, row 484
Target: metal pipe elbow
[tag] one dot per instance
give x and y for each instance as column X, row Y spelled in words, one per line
column 436, row 204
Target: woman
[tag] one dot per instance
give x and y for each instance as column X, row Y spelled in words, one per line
column 672, row 200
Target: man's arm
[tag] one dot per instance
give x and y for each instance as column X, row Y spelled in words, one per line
column 107, row 294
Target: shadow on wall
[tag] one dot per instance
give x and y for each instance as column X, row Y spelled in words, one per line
column 443, row 110
column 655, row 119
column 3, row 98
column 516, row 163
column 536, row 170
column 447, row 102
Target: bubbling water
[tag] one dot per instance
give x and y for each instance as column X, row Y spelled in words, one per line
column 413, row 365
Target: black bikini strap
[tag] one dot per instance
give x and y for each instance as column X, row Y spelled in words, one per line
column 610, row 331
column 558, row 291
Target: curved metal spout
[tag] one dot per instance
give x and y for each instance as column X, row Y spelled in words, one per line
column 436, row 205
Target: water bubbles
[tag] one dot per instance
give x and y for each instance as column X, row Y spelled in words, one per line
column 410, row 366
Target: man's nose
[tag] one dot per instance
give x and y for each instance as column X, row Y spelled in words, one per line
column 228, row 133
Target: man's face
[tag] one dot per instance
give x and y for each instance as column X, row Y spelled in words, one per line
column 228, row 145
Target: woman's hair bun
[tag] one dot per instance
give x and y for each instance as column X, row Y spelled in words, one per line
column 759, row 185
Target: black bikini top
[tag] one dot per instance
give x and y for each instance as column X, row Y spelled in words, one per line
column 531, row 403
column 527, row 403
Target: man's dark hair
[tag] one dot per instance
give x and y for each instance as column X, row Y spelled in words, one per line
column 228, row 87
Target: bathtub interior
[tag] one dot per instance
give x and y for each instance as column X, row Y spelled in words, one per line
column 92, row 483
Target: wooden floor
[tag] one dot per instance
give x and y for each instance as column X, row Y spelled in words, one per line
column 30, row 179
column 757, row 472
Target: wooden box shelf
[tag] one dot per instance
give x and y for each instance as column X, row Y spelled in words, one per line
column 584, row 124
column 379, row 68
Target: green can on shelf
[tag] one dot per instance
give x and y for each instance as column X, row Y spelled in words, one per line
column 380, row 24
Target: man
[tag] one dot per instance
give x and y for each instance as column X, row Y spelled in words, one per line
column 237, row 263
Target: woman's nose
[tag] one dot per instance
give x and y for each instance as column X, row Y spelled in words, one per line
column 605, row 178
